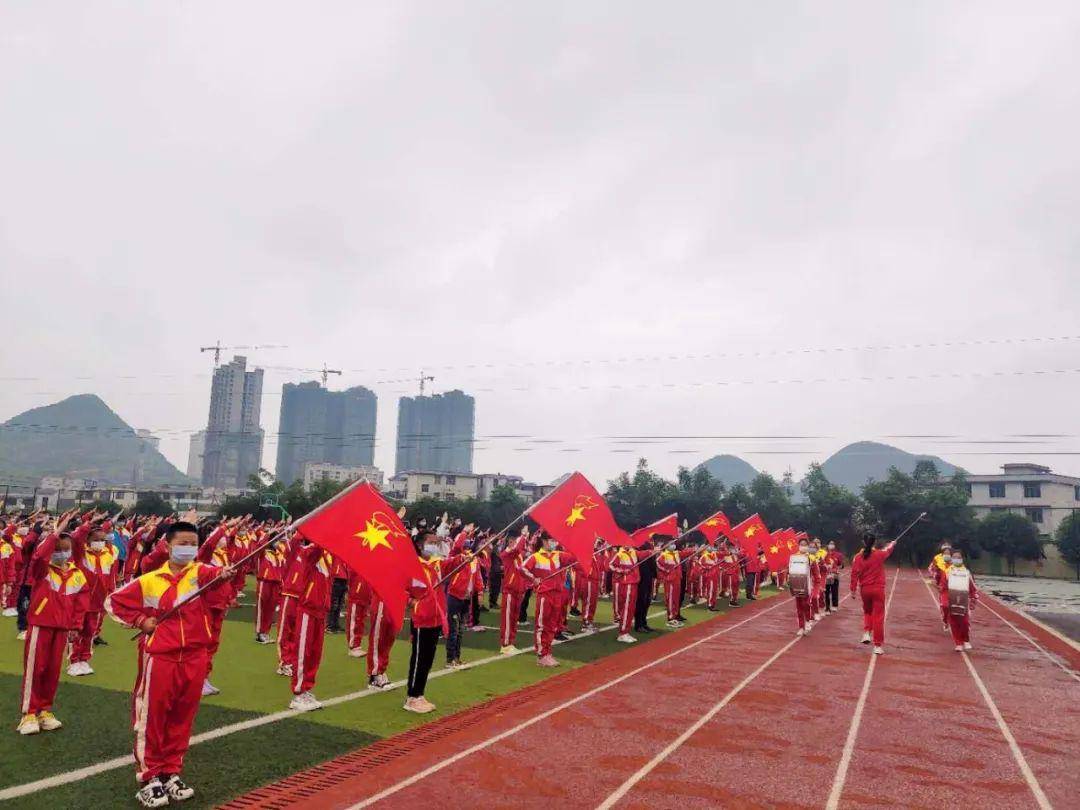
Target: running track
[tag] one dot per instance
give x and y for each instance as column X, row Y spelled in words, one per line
column 737, row 712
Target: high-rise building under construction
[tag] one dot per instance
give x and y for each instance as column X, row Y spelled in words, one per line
column 436, row 433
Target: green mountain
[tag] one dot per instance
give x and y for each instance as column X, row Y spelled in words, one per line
column 853, row 466
column 80, row 437
column 731, row 470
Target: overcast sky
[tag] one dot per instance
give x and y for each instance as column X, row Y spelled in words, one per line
column 482, row 189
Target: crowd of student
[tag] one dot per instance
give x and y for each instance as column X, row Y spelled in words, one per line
column 61, row 576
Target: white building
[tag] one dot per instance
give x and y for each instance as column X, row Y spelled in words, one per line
column 313, row 471
column 413, row 485
column 196, row 448
column 1033, row 490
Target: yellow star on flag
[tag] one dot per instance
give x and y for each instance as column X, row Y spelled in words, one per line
column 751, row 531
column 374, row 536
column 576, row 513
column 774, row 549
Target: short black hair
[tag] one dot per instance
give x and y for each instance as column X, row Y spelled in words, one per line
column 180, row 526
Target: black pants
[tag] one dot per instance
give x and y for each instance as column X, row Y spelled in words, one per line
column 424, row 642
column 751, row 583
column 832, row 593
column 337, row 599
column 523, row 614
column 494, row 588
column 474, row 616
column 23, row 605
column 641, row 606
column 456, row 612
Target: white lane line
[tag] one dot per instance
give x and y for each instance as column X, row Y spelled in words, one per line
column 433, row 769
column 648, row 767
column 66, row 778
column 1070, row 672
column 1006, row 732
column 856, row 720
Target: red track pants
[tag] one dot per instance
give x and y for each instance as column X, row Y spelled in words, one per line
column 802, row 610
column 43, row 655
column 712, row 587
column 671, row 597
column 310, row 631
column 960, row 627
column 380, row 640
column 508, row 618
column 83, row 647
column 731, row 580
column 625, row 599
column 873, row 606
column 546, row 620
column 355, row 613
column 166, row 698
column 286, row 634
column 588, row 591
column 267, row 596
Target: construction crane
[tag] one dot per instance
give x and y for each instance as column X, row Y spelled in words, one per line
column 326, row 372
column 424, row 379
column 217, row 349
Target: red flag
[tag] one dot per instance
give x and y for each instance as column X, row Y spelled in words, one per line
column 575, row 515
column 713, row 526
column 360, row 528
column 749, row 534
column 666, row 526
column 777, row 551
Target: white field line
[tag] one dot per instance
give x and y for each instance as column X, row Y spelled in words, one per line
column 433, row 769
column 28, row 788
column 1070, row 672
column 856, row 720
column 1006, row 732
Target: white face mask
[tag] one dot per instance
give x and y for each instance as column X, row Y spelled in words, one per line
column 957, row 561
column 97, row 545
column 803, row 549
column 431, row 551
column 550, row 545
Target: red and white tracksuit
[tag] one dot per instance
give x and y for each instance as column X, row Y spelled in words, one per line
column 57, row 608
column 625, row 578
column 291, row 585
column 313, row 604
column 868, row 575
column 357, row 601
column 709, row 562
column 100, row 568
column 514, row 586
column 546, row 570
column 669, row 568
column 939, row 571
column 381, row 637
column 173, row 659
column 959, row 626
column 587, row 590
column 268, row 573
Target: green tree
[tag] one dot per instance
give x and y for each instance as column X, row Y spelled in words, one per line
column 151, row 503
column 1012, row 536
column 639, row 500
column 503, row 506
column 103, row 505
column 769, row 499
column 1068, row 540
column 829, row 510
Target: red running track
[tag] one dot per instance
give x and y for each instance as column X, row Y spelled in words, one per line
column 737, row 712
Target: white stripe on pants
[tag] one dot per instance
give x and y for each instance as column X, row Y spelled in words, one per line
column 28, row 674
column 300, row 652
column 539, row 623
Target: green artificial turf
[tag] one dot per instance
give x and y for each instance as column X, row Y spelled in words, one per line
column 96, row 709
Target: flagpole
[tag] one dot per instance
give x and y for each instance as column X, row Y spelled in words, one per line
column 574, row 564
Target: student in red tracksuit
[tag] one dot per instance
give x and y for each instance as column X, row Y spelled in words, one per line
column 803, row 613
column 753, row 575
column 625, row 578
column 269, row 569
column 99, row 564
column 834, row 564
column 587, row 587
column 291, row 584
column 58, row 603
column 316, row 581
column 729, row 572
column 214, row 551
column 464, row 582
column 709, row 563
column 939, row 567
column 959, row 625
column 817, row 576
column 427, row 622
column 357, row 602
column 513, row 589
column 669, row 568
column 381, row 638
column 868, row 575
column 174, row 653
column 545, row 569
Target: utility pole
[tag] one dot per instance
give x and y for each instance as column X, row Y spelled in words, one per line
column 422, row 380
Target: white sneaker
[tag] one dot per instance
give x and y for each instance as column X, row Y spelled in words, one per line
column 285, row 669
column 818, row 617
column 959, row 648
column 477, row 628
column 21, row 636
column 9, row 612
column 879, row 650
column 380, row 682
column 800, row 632
column 209, row 689
column 967, row 645
column 509, row 649
column 357, row 652
column 944, row 628
column 152, row 794
column 29, row 725
column 176, row 790
column 866, row 637
column 626, row 638
column 588, row 629
column 305, row 702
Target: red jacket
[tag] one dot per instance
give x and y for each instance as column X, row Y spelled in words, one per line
column 99, row 567
column 316, row 579
column 513, row 580
column 157, row 591
column 359, row 592
column 467, row 579
column 542, row 566
column 669, row 566
column 271, row 565
column 429, row 601
column 869, row 572
column 60, row 593
column 624, row 567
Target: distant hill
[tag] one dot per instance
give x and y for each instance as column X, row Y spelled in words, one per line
column 80, row 437
column 853, row 466
column 731, row 470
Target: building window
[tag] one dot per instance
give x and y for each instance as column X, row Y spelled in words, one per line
column 1076, row 493
column 1035, row 513
column 438, row 479
column 968, row 488
column 997, row 490
column 425, row 487
column 451, row 479
column 1033, row 491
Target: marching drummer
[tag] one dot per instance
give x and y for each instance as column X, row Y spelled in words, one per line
column 799, row 581
column 959, row 593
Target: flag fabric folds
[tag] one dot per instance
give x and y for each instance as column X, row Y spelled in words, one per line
column 749, row 534
column 361, row 529
column 713, row 526
column 576, row 515
column 668, row 526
